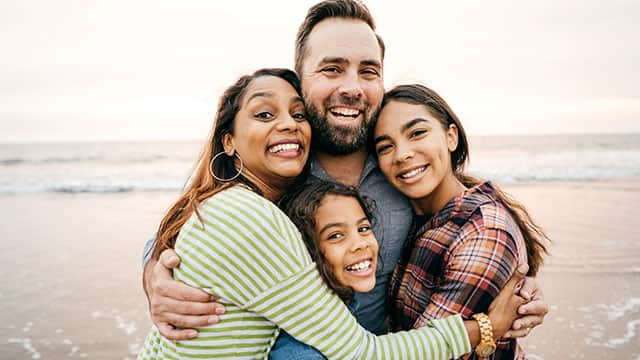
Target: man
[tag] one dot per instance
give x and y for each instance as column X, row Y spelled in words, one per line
column 339, row 59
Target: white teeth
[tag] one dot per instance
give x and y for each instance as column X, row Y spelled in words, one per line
column 345, row 111
column 359, row 266
column 283, row 147
column 412, row 173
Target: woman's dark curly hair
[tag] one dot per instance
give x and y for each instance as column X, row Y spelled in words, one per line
column 301, row 204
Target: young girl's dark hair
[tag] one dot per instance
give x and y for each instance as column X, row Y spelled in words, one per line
column 301, row 205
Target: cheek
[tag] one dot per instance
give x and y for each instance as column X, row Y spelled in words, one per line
column 375, row 92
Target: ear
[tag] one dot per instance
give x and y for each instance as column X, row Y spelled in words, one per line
column 227, row 143
column 452, row 138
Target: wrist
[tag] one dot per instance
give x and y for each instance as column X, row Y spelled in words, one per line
column 487, row 345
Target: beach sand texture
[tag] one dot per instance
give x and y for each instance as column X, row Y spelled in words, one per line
column 71, row 284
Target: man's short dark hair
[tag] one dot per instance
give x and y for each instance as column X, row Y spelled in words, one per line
column 346, row 9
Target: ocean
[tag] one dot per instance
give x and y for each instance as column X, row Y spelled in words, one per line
column 112, row 167
column 75, row 217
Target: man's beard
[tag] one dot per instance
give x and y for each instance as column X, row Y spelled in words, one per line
column 337, row 140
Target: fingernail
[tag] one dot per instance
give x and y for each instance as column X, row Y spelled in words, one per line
column 173, row 258
column 192, row 333
column 213, row 320
column 525, row 294
column 516, row 326
column 220, row 310
column 507, row 335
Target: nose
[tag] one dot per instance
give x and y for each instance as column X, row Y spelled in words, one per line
column 350, row 86
column 359, row 243
column 287, row 123
column 403, row 154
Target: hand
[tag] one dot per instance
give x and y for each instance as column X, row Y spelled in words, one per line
column 531, row 313
column 174, row 304
column 503, row 310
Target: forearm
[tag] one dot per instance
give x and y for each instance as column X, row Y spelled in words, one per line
column 317, row 317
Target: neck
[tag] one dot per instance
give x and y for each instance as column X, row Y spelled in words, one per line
column 273, row 190
column 345, row 169
column 449, row 188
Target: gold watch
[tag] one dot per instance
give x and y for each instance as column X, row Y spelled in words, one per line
column 487, row 345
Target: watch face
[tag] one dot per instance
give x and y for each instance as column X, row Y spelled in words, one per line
column 484, row 350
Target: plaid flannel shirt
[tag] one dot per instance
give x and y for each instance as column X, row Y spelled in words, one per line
column 456, row 262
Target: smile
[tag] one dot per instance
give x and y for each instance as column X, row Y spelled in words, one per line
column 413, row 173
column 359, row 266
column 344, row 111
column 283, row 147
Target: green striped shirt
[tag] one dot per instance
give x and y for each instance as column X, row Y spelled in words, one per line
column 250, row 254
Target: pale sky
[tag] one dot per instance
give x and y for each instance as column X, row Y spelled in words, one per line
column 83, row 70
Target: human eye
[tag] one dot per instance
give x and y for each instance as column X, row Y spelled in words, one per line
column 336, row 236
column 264, row 115
column 364, row 228
column 370, row 72
column 299, row 115
column 417, row 133
column 331, row 70
column 383, row 149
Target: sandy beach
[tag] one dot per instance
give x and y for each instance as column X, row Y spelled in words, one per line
column 72, row 272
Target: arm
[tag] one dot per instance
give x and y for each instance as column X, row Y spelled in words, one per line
column 252, row 255
column 478, row 266
column 172, row 303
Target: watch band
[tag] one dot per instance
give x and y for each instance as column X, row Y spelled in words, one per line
column 487, row 344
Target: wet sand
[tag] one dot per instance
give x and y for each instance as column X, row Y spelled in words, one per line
column 71, row 263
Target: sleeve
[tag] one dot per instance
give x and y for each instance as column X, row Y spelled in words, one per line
column 478, row 267
column 249, row 252
column 148, row 249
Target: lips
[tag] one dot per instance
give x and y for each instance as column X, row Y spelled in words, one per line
column 283, row 147
column 412, row 174
column 359, row 266
column 344, row 111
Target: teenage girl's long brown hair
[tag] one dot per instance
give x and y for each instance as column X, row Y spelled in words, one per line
column 416, row 94
column 202, row 184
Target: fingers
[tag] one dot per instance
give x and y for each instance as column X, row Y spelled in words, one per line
column 530, row 288
column 514, row 334
column 169, row 259
column 171, row 333
column 174, row 289
column 515, row 282
column 525, row 322
column 187, row 321
column 168, row 306
column 535, row 307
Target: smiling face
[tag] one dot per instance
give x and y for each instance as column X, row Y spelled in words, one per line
column 346, row 241
column 414, row 153
column 270, row 133
column 342, row 83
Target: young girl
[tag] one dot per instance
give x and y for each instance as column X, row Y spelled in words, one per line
column 469, row 236
column 336, row 225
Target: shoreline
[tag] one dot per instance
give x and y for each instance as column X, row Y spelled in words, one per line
column 73, row 287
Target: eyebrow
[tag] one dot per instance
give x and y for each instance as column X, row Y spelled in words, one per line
column 342, row 60
column 337, row 224
column 267, row 94
column 404, row 128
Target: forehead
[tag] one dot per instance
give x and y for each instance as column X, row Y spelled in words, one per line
column 272, row 85
column 397, row 113
column 337, row 208
column 346, row 38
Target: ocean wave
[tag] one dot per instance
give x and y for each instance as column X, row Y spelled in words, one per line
column 87, row 159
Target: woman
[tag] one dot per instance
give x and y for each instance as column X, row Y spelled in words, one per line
column 234, row 242
column 469, row 236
